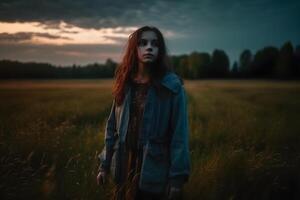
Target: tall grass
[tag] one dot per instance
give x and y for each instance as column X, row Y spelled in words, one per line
column 50, row 138
column 244, row 139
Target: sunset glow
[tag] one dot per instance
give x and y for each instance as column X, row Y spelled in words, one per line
column 65, row 33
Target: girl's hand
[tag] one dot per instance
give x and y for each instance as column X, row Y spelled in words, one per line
column 101, row 177
column 175, row 193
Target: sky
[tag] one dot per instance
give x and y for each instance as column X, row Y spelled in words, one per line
column 66, row 32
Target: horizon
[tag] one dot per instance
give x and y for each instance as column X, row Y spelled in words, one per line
column 231, row 63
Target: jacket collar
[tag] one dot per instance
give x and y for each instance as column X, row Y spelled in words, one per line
column 172, row 82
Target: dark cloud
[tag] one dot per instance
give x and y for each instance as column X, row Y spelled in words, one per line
column 50, row 36
column 85, row 13
column 168, row 14
column 26, row 36
column 190, row 17
column 22, row 36
column 95, row 13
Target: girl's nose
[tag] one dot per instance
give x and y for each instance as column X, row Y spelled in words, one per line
column 149, row 48
column 149, row 44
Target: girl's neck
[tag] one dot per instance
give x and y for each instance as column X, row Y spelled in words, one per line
column 142, row 75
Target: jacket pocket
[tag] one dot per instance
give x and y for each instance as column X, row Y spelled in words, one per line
column 155, row 164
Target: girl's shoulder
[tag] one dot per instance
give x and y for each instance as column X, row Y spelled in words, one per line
column 172, row 81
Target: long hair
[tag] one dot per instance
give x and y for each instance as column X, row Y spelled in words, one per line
column 129, row 64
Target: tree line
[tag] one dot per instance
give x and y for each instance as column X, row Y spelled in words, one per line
column 269, row 62
column 32, row 70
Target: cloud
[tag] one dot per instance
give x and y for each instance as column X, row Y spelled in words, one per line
column 62, row 34
column 17, row 37
column 26, row 37
column 83, row 13
column 167, row 14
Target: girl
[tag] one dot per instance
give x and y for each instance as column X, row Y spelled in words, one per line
column 146, row 137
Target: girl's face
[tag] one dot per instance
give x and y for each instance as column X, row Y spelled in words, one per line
column 147, row 47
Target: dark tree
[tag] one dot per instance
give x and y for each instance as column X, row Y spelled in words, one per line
column 235, row 70
column 198, row 65
column 296, row 63
column 245, row 62
column 219, row 64
column 284, row 63
column 264, row 62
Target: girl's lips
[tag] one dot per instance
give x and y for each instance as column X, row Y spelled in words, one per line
column 148, row 55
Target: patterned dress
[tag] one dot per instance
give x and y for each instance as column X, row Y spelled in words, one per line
column 127, row 190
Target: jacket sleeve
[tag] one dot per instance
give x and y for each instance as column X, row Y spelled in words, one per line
column 179, row 146
column 109, row 139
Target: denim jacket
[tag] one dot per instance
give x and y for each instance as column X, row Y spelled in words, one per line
column 164, row 137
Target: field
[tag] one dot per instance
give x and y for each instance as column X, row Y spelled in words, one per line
column 244, row 139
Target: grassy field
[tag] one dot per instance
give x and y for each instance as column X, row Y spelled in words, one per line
column 244, row 139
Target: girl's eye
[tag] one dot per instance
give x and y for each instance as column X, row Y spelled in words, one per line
column 155, row 43
column 142, row 42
